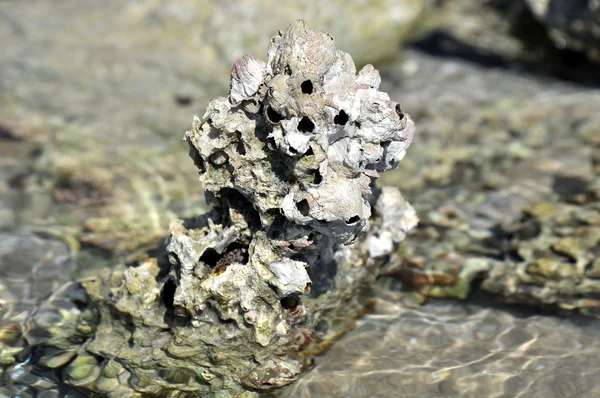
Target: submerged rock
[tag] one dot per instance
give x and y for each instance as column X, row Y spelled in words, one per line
column 246, row 293
column 505, row 179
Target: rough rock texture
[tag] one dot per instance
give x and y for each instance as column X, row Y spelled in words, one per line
column 96, row 104
column 289, row 161
column 499, row 153
column 506, row 182
column 79, row 111
column 573, row 24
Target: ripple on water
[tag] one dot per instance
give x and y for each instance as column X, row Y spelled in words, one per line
column 452, row 349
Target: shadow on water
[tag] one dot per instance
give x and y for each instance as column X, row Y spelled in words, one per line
column 539, row 56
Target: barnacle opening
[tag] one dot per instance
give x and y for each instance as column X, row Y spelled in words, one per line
column 290, row 302
column 306, row 125
column 341, row 118
column 353, row 220
column 273, row 116
column 306, row 87
column 303, row 207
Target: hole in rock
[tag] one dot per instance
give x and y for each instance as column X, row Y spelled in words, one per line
column 309, row 152
column 168, row 294
column 303, row 207
column 276, row 231
column 386, row 144
column 318, row 177
column 290, row 302
column 353, row 219
column 210, row 257
column 306, row 125
column 271, row 144
column 357, row 124
column 399, row 112
column 287, row 70
column 306, row 87
column 273, row 116
column 341, row 118
column 218, row 158
column 240, row 148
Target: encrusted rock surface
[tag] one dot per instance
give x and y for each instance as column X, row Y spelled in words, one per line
column 81, row 98
column 277, row 269
column 90, row 131
column 505, row 179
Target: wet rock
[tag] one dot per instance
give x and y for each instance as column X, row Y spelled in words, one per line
column 573, row 24
column 297, row 233
column 488, row 158
column 90, row 179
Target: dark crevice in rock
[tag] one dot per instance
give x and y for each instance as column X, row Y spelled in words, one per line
column 341, row 118
column 168, row 294
column 290, row 302
column 306, row 125
column 273, row 116
column 306, row 87
column 303, row 207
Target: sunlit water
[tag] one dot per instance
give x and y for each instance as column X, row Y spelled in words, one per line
column 452, row 349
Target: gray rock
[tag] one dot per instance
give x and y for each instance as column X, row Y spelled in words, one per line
column 277, row 270
column 573, row 24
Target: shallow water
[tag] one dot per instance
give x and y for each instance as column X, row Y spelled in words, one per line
column 454, row 349
column 442, row 349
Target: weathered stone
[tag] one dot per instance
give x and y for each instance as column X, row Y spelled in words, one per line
column 298, row 231
column 573, row 24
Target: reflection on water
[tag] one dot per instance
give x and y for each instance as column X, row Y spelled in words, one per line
column 452, row 349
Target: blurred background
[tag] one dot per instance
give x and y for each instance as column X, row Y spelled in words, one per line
column 95, row 97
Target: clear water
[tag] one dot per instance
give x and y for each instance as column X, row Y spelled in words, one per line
column 453, row 349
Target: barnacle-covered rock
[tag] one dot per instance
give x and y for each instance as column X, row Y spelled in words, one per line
column 508, row 198
column 554, row 250
column 246, row 293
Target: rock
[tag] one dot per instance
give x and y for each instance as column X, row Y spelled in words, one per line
column 488, row 160
column 132, row 72
column 247, row 292
column 573, row 24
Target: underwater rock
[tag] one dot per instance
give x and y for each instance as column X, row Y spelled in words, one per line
column 486, row 158
column 573, row 24
column 245, row 294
